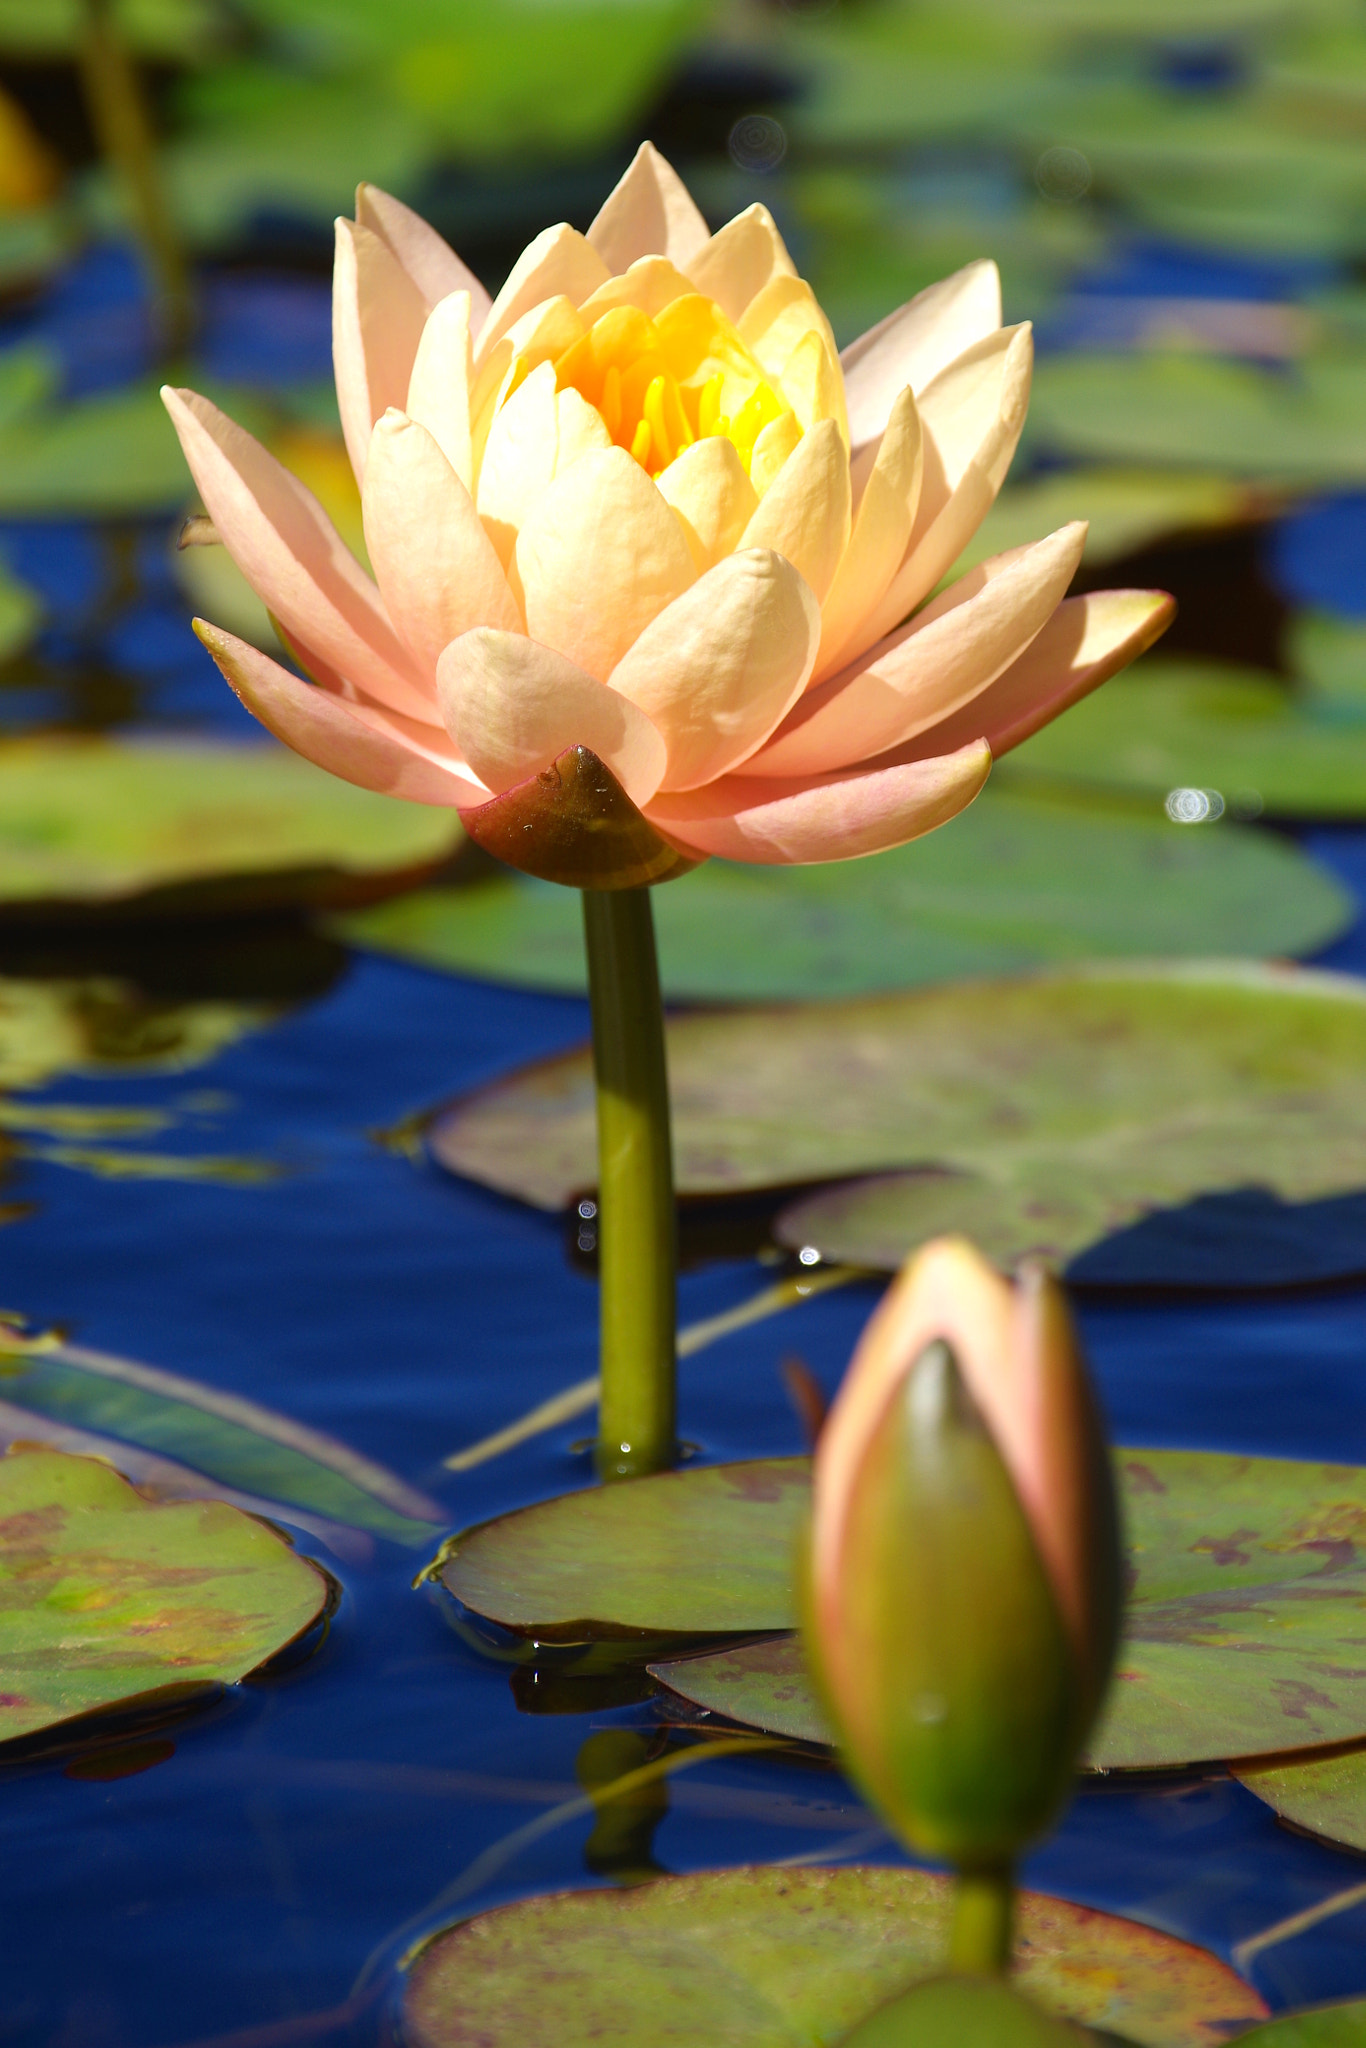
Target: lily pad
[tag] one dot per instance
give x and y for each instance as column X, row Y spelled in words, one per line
column 109, row 1599
column 169, row 827
column 1323, row 1795
column 244, row 1445
column 1043, row 1113
column 1015, row 881
column 1170, row 725
column 1248, row 1576
column 763, row 1958
column 1326, row 2026
column 1126, row 509
column 605, row 1562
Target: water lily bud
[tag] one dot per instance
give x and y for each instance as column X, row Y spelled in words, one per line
column 964, row 1587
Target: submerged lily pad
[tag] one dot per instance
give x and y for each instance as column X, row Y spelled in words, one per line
column 242, row 1444
column 1248, row 1576
column 109, row 1599
column 1040, row 1113
column 1168, row 725
column 763, row 1958
column 161, row 827
column 1015, row 881
column 1324, row 1795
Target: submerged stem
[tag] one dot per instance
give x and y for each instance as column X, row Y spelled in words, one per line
column 123, row 128
column 637, row 1425
column 983, row 1922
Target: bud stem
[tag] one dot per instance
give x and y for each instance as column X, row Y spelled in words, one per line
column 981, row 1938
column 637, row 1230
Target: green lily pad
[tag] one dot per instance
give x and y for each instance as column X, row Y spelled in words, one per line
column 1323, row 1795
column 1126, row 509
column 1248, row 1579
column 109, row 1599
column 761, row 1958
column 605, row 1563
column 1015, row 881
column 1201, row 412
column 965, row 2012
column 1326, row 2026
column 240, row 1443
column 1047, row 1112
column 1170, row 725
column 169, row 827
column 111, row 454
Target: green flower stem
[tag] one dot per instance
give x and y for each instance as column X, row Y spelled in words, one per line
column 983, row 1922
column 637, row 1230
column 123, row 128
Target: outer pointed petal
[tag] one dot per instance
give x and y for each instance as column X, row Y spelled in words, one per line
column 428, row 259
column 972, row 416
column 328, row 731
column 826, row 817
column 946, row 656
column 293, row 557
column 574, row 823
column 519, row 459
column 1065, row 1479
column 888, row 471
column 712, row 497
column 650, row 212
column 804, row 514
column 912, row 345
column 721, row 665
column 378, row 315
column 513, row 706
column 439, row 388
column 435, row 564
column 599, row 557
column 1087, row 640
column 560, row 260
column 739, row 260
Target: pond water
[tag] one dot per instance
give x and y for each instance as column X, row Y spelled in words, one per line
column 256, row 1882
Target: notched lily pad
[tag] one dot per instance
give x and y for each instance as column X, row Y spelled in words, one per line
column 108, row 1598
column 574, row 824
column 606, row 1562
column 1013, row 882
column 1042, row 1114
column 1243, row 1631
column 163, row 828
column 764, row 1958
column 1323, row 1795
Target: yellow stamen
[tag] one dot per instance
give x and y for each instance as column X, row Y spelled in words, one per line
column 709, row 407
column 611, row 401
column 640, row 444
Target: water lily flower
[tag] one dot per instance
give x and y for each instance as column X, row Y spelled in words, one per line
column 655, row 567
column 964, row 1595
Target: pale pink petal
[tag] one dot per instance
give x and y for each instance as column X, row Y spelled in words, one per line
column 560, row 260
column 912, row 345
column 886, row 480
column 436, row 566
column 1087, row 640
column 518, row 463
column 971, row 417
column 778, row 318
column 722, row 664
column 739, row 260
column 429, row 260
column 512, row 705
column 826, row 817
column 804, row 514
column 378, row 315
column 439, row 388
column 330, row 732
column 293, row 557
column 649, row 213
column 599, row 557
column 947, row 655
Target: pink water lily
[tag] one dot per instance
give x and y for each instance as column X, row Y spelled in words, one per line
column 639, row 505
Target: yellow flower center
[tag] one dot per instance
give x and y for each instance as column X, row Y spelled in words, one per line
column 661, row 384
